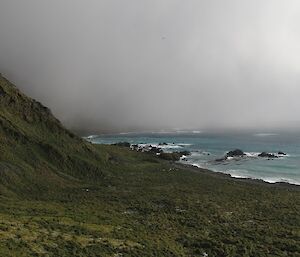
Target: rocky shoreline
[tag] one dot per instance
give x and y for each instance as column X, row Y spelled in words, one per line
column 155, row 150
column 237, row 154
column 176, row 156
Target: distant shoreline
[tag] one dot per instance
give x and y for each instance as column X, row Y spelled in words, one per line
column 252, row 181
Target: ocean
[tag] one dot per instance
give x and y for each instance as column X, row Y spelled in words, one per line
column 205, row 148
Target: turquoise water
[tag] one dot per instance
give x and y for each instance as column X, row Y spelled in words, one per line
column 205, row 148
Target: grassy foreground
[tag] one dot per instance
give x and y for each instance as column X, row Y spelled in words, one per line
column 61, row 196
column 145, row 209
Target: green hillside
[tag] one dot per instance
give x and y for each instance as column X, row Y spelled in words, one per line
column 36, row 150
column 62, row 196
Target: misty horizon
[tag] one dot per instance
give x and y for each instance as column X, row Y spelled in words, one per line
column 115, row 66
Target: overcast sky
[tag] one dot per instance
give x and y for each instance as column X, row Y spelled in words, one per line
column 125, row 65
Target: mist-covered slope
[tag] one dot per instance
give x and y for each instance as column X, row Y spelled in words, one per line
column 36, row 151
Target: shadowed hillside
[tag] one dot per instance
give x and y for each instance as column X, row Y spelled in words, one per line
column 35, row 149
column 38, row 154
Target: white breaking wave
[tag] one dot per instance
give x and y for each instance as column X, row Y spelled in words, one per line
column 168, row 146
column 238, row 176
column 184, row 144
column 244, row 174
column 282, row 180
column 255, row 154
column 237, row 173
column 157, row 145
column 252, row 154
column 241, row 174
column 91, row 137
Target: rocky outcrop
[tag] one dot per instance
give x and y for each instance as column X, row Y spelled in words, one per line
column 235, row 153
column 281, row 153
column 164, row 143
column 267, row 155
column 239, row 153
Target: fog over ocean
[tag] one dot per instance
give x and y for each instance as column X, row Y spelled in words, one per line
column 110, row 66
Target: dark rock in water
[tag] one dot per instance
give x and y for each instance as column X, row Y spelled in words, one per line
column 164, row 143
column 281, row 153
column 122, row 144
column 235, row 153
column 267, row 155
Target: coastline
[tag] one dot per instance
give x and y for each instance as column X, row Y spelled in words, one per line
column 63, row 196
column 276, row 173
column 221, row 175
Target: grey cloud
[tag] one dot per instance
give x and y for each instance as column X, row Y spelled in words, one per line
column 120, row 65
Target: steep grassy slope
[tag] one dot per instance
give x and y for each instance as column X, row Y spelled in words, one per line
column 61, row 196
column 36, row 149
